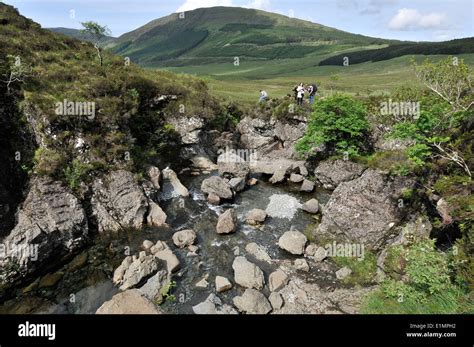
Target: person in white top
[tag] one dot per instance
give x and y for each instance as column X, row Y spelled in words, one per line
column 300, row 94
column 263, row 96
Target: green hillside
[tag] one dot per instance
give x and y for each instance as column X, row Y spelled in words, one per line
column 218, row 34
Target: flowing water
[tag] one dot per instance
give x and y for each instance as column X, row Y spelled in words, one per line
column 85, row 283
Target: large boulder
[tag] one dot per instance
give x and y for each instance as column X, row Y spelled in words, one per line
column 247, row 274
column 128, row 302
column 51, row 224
column 172, row 186
column 293, row 242
column 216, row 185
column 226, row 223
column 184, row 238
column 232, row 164
column 252, row 302
column 365, row 210
column 118, row 202
column 331, row 173
column 135, row 270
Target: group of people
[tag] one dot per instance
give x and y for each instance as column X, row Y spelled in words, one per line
column 299, row 91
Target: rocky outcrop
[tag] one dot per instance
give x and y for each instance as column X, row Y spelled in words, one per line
column 331, row 173
column 51, row 224
column 217, row 186
column 118, row 202
column 188, row 128
column 365, row 210
column 128, row 302
column 231, row 164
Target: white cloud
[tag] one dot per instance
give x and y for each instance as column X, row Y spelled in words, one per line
column 411, row 19
column 259, row 4
column 190, row 5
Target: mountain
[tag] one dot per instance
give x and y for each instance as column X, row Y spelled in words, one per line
column 218, row 34
column 78, row 34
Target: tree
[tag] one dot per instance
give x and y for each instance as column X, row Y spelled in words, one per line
column 17, row 72
column 96, row 32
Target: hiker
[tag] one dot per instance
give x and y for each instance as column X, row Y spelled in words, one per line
column 300, row 94
column 263, row 96
column 312, row 90
column 295, row 92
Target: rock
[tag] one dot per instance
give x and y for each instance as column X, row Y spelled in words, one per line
column 78, row 262
column 132, row 272
column 172, row 186
column 320, row 254
column 252, row 302
column 331, row 173
column 213, row 305
column 171, row 260
column 258, row 252
column 310, row 250
column 213, row 199
column 277, row 279
column 203, row 283
column 392, row 144
column 237, row 184
column 154, row 174
column 296, row 178
column 193, row 248
column 232, row 164
column 307, row 186
column 363, row 210
column 343, row 273
column 154, row 287
column 128, row 302
column 216, row 185
column 252, row 181
column 256, row 216
column 226, row 223
column 203, row 163
column 50, row 280
column 275, row 300
column 279, row 175
column 156, row 216
column 118, row 202
column 147, row 244
column 189, row 128
column 293, row 242
column 302, row 265
column 222, row 284
column 443, row 209
column 184, row 238
column 51, row 224
column 311, row 206
column 247, row 274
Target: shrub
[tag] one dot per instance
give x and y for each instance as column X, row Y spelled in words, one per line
column 340, row 123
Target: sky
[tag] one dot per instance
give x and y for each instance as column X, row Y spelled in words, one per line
column 414, row 20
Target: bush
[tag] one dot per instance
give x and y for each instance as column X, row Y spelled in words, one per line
column 419, row 282
column 340, row 123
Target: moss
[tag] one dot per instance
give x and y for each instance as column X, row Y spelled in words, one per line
column 363, row 271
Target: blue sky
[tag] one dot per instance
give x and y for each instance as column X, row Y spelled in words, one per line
column 417, row 20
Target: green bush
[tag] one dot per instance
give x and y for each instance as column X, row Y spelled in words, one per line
column 340, row 123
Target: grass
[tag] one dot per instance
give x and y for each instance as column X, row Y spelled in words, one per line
column 363, row 271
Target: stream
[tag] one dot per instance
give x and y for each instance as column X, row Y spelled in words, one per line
column 84, row 284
